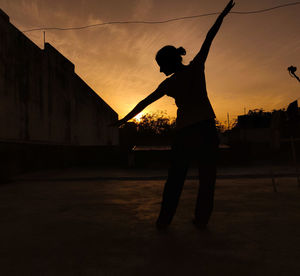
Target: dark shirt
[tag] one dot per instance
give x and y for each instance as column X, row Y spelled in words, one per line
column 188, row 88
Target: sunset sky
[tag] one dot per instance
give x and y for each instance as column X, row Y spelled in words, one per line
column 246, row 67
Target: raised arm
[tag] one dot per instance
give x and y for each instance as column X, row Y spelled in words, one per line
column 154, row 96
column 202, row 55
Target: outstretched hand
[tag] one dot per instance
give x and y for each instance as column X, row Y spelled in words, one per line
column 227, row 9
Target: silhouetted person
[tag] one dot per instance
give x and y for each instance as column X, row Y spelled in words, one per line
column 196, row 135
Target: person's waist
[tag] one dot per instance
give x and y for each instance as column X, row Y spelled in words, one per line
column 199, row 124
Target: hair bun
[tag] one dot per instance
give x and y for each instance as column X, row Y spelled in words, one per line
column 181, row 51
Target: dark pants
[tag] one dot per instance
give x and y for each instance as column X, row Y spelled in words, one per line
column 198, row 143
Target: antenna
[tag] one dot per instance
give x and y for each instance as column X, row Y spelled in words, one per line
column 44, row 38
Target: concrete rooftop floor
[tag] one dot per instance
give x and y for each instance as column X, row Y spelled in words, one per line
column 76, row 225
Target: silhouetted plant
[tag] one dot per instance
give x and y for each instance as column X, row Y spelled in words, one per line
column 221, row 127
column 155, row 129
column 152, row 129
column 158, row 123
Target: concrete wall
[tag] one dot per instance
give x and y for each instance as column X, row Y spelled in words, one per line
column 42, row 100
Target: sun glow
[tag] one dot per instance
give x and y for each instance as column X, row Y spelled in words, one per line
column 138, row 117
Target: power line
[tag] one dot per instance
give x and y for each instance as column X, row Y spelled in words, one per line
column 269, row 9
column 159, row 22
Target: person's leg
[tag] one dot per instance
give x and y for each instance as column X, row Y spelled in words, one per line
column 173, row 186
column 205, row 198
column 207, row 158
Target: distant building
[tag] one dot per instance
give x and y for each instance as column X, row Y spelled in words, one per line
column 258, row 119
column 42, row 99
column 262, row 127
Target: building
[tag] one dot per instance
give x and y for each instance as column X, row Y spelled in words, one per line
column 266, row 135
column 44, row 103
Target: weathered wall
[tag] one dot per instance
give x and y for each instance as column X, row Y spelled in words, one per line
column 42, row 100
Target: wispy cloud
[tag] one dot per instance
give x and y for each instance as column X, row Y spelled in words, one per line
column 246, row 66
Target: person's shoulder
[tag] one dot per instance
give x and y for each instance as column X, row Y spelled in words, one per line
column 167, row 81
column 168, row 85
column 163, row 86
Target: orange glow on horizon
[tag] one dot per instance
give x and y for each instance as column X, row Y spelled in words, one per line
column 138, row 117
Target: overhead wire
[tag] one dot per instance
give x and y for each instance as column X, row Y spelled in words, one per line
column 159, row 22
column 163, row 21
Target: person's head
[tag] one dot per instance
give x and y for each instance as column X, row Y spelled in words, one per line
column 169, row 59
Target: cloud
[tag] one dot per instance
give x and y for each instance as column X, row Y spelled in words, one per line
column 246, row 65
column 142, row 9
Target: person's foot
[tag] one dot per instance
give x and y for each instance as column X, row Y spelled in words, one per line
column 199, row 224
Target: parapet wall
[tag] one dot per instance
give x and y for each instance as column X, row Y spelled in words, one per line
column 42, row 99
